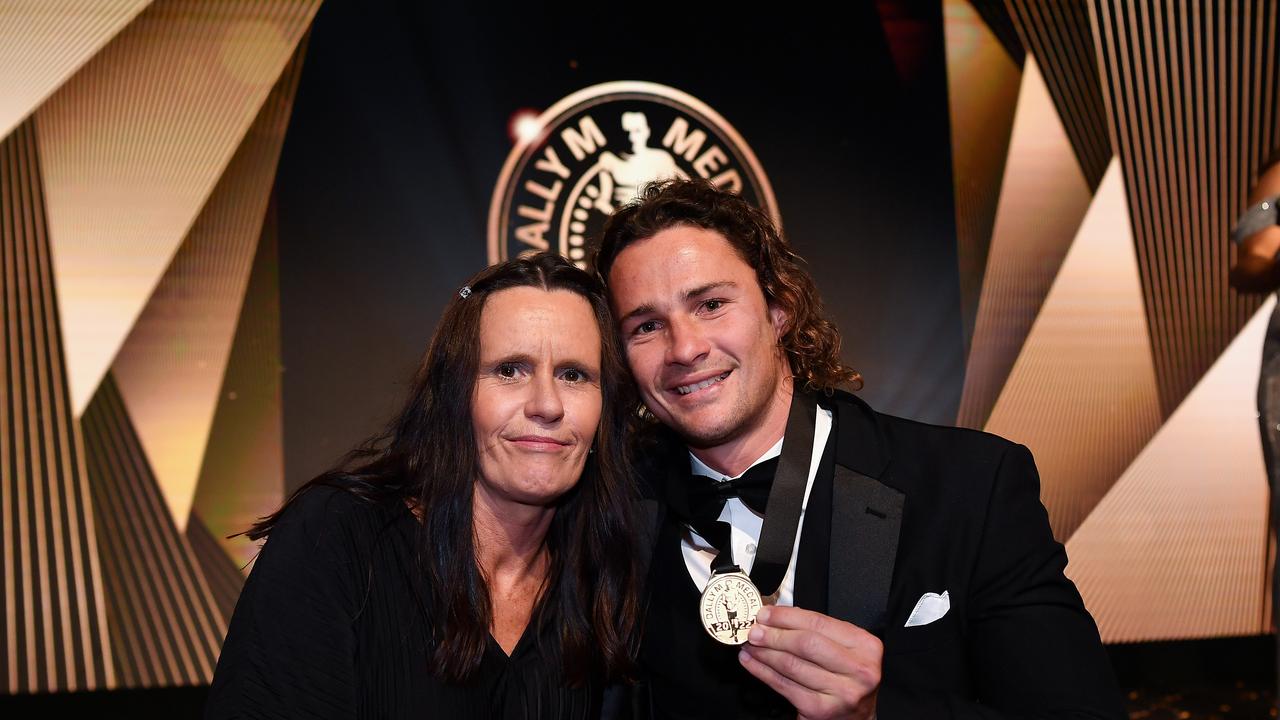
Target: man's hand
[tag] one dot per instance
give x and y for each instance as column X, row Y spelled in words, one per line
column 826, row 668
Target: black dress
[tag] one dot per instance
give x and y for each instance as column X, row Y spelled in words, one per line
column 329, row 625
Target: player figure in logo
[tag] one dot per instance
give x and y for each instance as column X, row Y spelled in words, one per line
column 622, row 177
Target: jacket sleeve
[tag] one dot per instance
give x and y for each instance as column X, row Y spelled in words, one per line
column 1033, row 648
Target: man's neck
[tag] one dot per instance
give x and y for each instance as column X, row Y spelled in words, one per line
column 734, row 456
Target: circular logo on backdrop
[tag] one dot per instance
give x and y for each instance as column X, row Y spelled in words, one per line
column 591, row 152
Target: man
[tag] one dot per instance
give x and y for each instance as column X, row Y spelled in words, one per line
column 919, row 577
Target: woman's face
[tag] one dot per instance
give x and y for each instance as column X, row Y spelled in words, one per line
column 537, row 396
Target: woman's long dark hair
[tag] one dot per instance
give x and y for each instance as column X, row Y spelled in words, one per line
column 427, row 457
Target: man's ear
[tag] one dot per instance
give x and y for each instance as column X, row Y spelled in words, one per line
column 778, row 317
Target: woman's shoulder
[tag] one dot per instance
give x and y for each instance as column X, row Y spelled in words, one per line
column 337, row 500
column 292, row 637
column 332, row 520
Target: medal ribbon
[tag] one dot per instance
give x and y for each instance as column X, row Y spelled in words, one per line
column 782, row 513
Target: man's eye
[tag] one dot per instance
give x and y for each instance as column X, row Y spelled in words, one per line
column 645, row 328
column 713, row 305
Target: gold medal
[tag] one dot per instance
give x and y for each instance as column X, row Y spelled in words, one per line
column 729, row 606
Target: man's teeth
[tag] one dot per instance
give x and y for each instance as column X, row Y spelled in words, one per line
column 686, row 389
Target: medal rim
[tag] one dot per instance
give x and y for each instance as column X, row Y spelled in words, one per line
column 719, row 576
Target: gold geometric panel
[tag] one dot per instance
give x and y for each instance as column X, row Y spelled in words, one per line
column 166, row 628
column 1000, row 23
column 1043, row 197
column 1082, row 394
column 170, row 368
column 134, row 143
column 42, row 42
column 1191, row 95
column 1058, row 34
column 224, row 577
column 982, row 89
column 1178, row 548
column 242, row 477
column 55, row 629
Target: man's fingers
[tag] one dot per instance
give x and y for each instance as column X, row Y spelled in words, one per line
column 801, row 672
column 794, row 618
column 798, row 695
column 823, row 666
column 819, row 651
column 811, row 690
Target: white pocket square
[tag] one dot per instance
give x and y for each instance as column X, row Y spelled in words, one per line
column 930, row 607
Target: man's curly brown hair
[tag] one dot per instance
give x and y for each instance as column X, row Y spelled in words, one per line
column 810, row 340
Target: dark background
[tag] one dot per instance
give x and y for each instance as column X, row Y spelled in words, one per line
column 400, row 130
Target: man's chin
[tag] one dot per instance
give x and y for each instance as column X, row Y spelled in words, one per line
column 702, row 435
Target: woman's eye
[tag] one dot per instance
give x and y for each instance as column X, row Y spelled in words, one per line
column 573, row 376
column 507, row 370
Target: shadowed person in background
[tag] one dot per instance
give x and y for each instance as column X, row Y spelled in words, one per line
column 1257, row 237
column 476, row 558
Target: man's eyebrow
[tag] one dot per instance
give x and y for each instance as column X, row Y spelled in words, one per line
column 639, row 310
column 690, row 294
column 704, row 289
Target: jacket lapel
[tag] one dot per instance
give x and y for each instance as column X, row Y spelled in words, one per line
column 866, row 516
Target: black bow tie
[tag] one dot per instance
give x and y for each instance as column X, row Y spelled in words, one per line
column 707, row 495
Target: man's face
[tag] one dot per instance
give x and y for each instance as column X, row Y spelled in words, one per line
column 699, row 336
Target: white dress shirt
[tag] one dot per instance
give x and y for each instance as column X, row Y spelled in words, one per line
column 746, row 523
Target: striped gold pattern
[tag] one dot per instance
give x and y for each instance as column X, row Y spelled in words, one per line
column 134, row 144
column 1043, row 198
column 171, row 366
column 1058, row 34
column 1190, row 91
column 1178, row 548
column 1082, row 394
column 982, row 90
column 166, row 628
column 44, row 42
column 132, row 201
column 242, row 477
column 55, row 631
column 998, row 21
column 225, row 578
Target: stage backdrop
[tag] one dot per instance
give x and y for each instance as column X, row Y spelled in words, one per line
column 228, row 229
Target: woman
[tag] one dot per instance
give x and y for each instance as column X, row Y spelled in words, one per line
column 475, row 559
column 1256, row 270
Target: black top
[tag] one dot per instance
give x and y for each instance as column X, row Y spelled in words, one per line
column 329, row 625
column 691, row 675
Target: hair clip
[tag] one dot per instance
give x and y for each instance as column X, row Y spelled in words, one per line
column 465, row 292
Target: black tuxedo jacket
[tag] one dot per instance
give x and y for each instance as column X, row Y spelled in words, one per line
column 921, row 509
